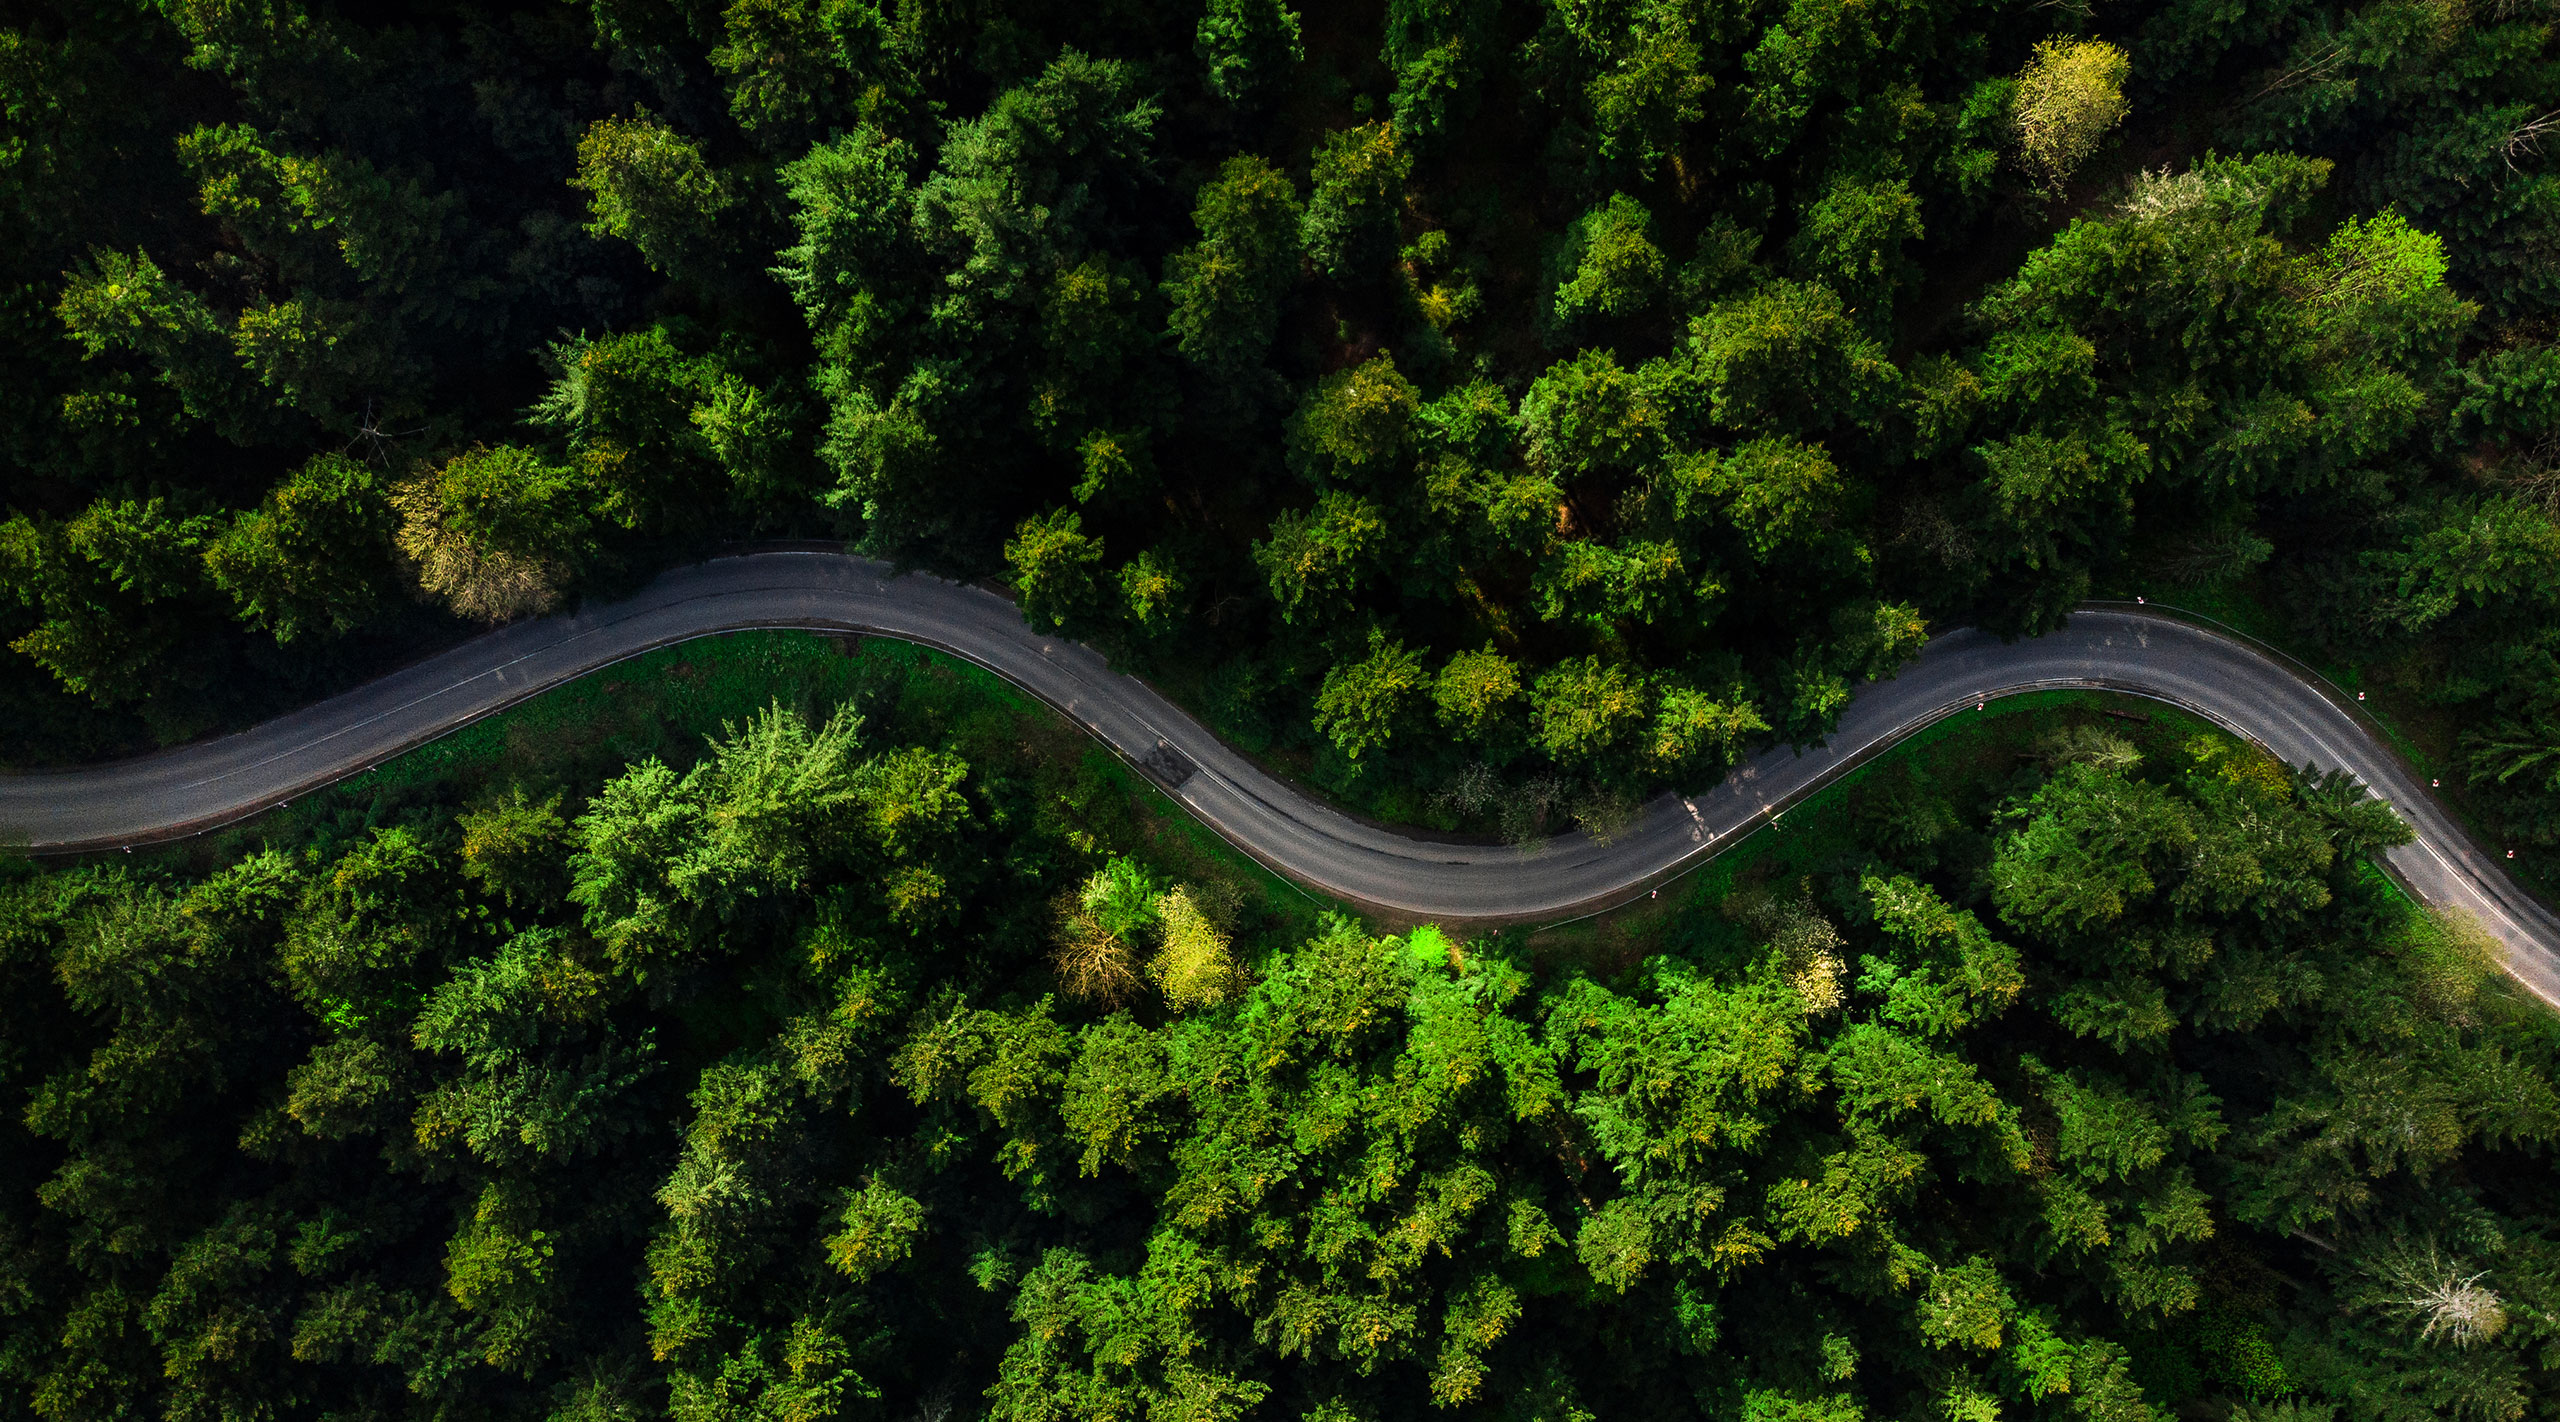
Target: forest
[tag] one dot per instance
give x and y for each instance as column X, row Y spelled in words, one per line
column 1486, row 412
column 1491, row 411
column 849, row 1063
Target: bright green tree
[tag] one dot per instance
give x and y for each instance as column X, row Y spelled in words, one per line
column 1787, row 357
column 849, row 269
column 1777, row 492
column 1585, row 708
column 1693, row 731
column 1614, row 269
column 1355, row 424
column 1315, row 557
column 1056, row 567
column 1362, row 702
column 623, row 404
column 654, row 188
column 1853, row 239
column 1473, row 692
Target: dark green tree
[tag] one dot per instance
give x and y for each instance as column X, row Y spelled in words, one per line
column 317, row 556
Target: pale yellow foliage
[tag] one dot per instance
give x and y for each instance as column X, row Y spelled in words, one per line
column 1807, row 945
column 1195, row 967
column 2071, row 93
column 487, row 586
column 1810, row 945
column 2246, row 766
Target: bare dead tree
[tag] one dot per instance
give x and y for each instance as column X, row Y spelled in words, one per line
column 2526, row 138
column 2320, row 65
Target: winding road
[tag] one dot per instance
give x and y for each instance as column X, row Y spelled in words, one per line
column 198, row 787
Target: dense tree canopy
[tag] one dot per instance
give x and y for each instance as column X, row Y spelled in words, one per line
column 824, row 1075
column 1491, row 411
column 1677, row 360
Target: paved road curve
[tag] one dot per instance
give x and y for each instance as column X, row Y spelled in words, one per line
column 196, row 787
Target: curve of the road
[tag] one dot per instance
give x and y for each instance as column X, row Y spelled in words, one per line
column 197, row 787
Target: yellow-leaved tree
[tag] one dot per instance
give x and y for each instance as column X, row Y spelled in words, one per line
column 2070, row 94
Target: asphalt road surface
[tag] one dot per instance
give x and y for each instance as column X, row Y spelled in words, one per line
column 197, row 787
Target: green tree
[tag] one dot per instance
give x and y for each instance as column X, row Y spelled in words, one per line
column 315, row 557
column 1693, row 731
column 1314, row 558
column 111, row 592
column 1356, row 424
column 1248, row 47
column 1437, row 50
column 1352, row 217
column 1585, row 708
column 879, row 1230
column 1777, row 492
column 2490, row 552
column 1227, row 292
column 759, row 436
column 624, row 406
column 1027, row 187
column 851, row 267
column 663, row 860
column 332, row 211
column 654, row 188
column 1787, row 358
column 1600, row 586
column 1195, row 967
column 799, row 68
column 511, row 843
column 1589, row 423
column 1474, row 691
column 1853, row 238
column 890, row 455
column 1055, row 568
column 1362, row 702
column 2091, row 849
column 497, row 533
column 1648, row 76
column 1614, row 269
column 1098, row 390
column 115, row 304
column 1151, row 593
